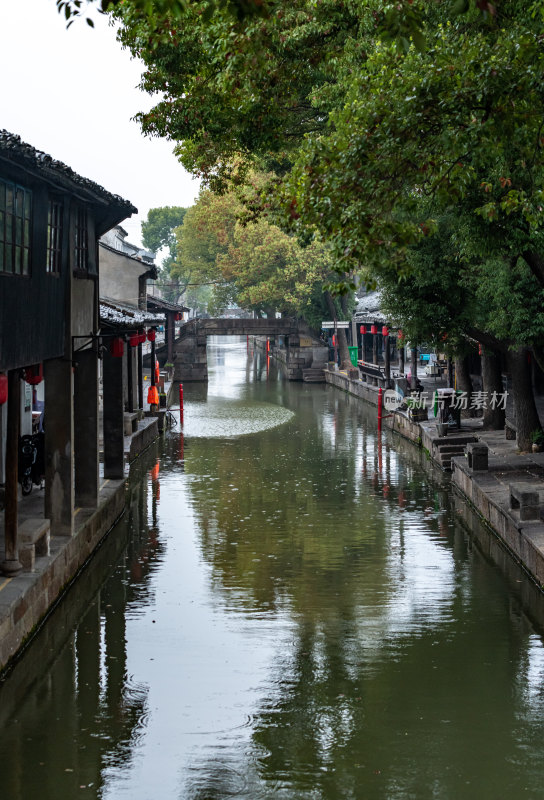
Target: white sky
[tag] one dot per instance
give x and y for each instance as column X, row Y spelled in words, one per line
column 72, row 93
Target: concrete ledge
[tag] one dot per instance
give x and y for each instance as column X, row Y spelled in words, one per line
column 148, row 430
column 34, row 538
column 492, row 502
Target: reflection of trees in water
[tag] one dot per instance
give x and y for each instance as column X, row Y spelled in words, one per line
column 76, row 711
column 414, row 711
column 286, row 513
column 316, row 522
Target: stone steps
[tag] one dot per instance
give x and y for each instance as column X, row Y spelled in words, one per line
column 313, row 375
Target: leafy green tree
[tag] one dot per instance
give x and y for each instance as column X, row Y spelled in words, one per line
column 158, row 229
column 255, row 265
column 158, row 233
column 447, row 297
column 73, row 9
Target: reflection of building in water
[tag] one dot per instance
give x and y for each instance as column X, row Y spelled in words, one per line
column 79, row 713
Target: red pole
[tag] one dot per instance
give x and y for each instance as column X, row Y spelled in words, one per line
column 181, row 403
column 380, row 406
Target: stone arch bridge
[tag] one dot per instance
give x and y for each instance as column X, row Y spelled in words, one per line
column 190, row 357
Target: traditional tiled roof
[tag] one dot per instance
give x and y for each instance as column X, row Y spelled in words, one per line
column 158, row 302
column 368, row 308
column 113, row 313
column 14, row 149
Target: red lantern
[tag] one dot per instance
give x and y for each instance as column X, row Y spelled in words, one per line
column 385, row 331
column 400, row 335
column 117, row 347
column 153, row 396
column 363, row 329
column 157, row 373
column 373, row 329
column 151, row 334
column 134, row 339
column 480, row 351
column 34, row 374
column 178, row 316
column 3, row 388
column 333, row 340
column 142, row 337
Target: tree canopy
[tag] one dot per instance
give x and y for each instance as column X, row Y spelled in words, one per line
column 408, row 137
column 356, row 128
column 256, row 266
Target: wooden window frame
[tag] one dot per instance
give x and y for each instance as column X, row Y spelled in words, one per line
column 81, row 241
column 55, row 212
column 15, row 229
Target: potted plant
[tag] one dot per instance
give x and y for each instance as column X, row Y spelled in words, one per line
column 537, row 438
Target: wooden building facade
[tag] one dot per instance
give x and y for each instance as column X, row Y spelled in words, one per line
column 50, row 222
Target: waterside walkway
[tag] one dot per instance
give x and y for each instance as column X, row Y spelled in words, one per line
column 52, row 563
column 507, row 493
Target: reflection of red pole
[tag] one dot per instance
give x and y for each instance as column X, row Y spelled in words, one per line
column 181, row 443
column 380, row 406
column 267, row 345
column 181, row 403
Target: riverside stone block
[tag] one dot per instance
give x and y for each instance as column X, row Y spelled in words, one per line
column 477, row 456
column 525, row 500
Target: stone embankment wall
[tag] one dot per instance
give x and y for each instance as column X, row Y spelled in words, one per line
column 295, row 358
column 487, row 493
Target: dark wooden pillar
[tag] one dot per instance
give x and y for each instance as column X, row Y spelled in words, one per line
column 140, row 378
column 374, row 348
column 59, row 446
column 11, row 564
column 400, row 345
column 387, row 361
column 130, row 381
column 86, row 460
column 114, row 441
column 153, row 349
column 413, row 368
column 170, row 330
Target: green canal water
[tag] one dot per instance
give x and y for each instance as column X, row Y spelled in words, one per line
column 289, row 609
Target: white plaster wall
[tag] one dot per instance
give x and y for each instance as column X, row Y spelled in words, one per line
column 119, row 276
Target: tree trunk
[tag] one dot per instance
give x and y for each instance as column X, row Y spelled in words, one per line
column 463, row 381
column 345, row 362
column 450, row 373
column 494, row 418
column 527, row 419
column 536, row 265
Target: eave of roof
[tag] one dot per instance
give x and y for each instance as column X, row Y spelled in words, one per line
column 158, row 302
column 119, row 315
column 138, row 260
column 14, row 150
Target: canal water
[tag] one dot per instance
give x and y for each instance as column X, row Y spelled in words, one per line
column 289, row 609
